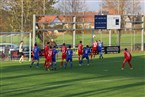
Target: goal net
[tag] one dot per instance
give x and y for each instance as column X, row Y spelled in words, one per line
column 9, row 45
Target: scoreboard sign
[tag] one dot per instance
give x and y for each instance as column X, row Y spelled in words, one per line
column 100, row 22
column 107, row 22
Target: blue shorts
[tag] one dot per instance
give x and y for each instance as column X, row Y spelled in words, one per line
column 99, row 50
column 85, row 56
column 69, row 59
column 36, row 58
column 53, row 59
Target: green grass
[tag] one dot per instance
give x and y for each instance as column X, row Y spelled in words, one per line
column 100, row 79
column 15, row 39
column 127, row 40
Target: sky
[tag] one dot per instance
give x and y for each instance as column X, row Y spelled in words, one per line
column 93, row 5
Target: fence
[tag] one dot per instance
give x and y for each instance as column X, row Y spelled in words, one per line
column 9, row 45
column 71, row 29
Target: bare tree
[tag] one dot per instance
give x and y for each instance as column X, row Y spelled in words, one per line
column 72, row 6
column 122, row 6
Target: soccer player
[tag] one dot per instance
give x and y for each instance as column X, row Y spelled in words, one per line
column 21, row 52
column 80, row 50
column 54, row 57
column 69, row 57
column 49, row 58
column 46, row 48
column 94, row 48
column 100, row 46
column 35, row 53
column 63, row 50
column 127, row 58
column 86, row 52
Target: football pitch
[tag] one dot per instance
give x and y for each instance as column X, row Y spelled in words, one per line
column 103, row 78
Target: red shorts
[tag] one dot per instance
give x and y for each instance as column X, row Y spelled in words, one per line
column 49, row 59
column 63, row 56
column 127, row 60
column 45, row 55
column 94, row 50
column 80, row 53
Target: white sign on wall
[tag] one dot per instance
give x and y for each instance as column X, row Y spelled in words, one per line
column 113, row 21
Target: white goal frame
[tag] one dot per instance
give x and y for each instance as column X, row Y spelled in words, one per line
column 20, row 33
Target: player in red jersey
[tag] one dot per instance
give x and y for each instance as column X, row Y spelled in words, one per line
column 46, row 48
column 127, row 58
column 80, row 50
column 49, row 58
column 63, row 50
column 94, row 48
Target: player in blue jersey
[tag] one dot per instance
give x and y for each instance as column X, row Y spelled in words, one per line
column 35, row 53
column 69, row 54
column 100, row 46
column 86, row 52
column 54, row 57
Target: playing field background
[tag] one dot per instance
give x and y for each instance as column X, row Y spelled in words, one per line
column 127, row 39
column 103, row 78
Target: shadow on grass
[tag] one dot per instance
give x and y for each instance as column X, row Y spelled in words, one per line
column 107, row 66
column 105, row 90
column 46, row 86
column 21, row 76
column 27, row 90
column 112, row 67
column 75, row 80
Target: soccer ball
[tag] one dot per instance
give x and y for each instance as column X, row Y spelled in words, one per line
column 94, row 36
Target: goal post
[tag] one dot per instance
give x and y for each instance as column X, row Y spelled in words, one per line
column 142, row 34
column 72, row 20
column 34, row 29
